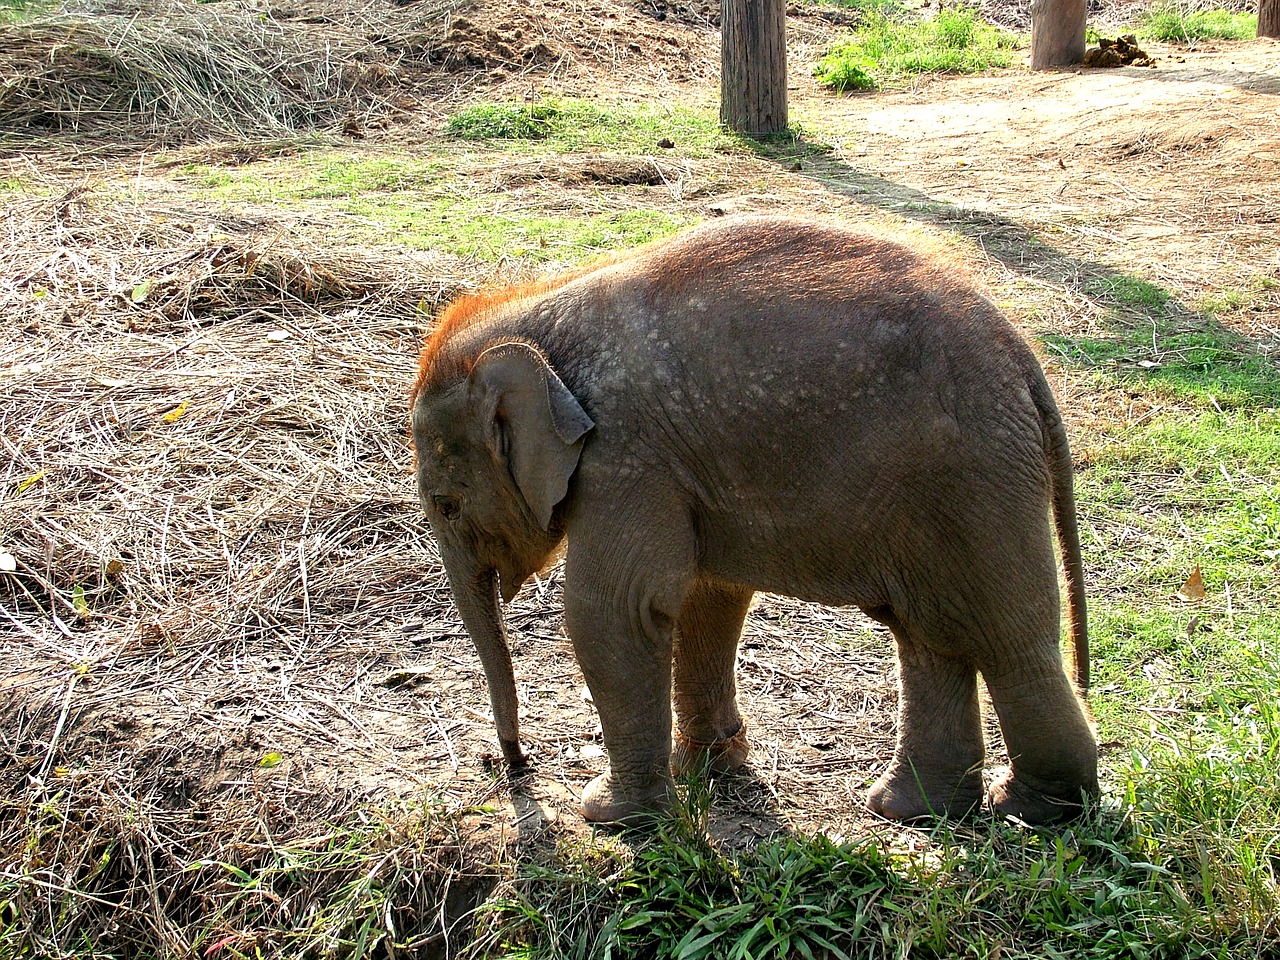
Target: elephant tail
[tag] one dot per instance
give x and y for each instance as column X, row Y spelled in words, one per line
column 1061, row 476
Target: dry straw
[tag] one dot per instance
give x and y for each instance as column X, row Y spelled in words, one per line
column 111, row 858
column 170, row 389
column 204, row 487
column 179, row 71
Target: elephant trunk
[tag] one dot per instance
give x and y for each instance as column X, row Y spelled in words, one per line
column 475, row 590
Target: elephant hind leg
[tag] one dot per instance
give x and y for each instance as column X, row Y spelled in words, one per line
column 710, row 733
column 936, row 769
column 1004, row 618
column 1052, row 750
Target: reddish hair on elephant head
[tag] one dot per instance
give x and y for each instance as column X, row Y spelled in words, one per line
column 471, row 308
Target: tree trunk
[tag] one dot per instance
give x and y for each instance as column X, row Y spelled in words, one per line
column 1057, row 33
column 753, row 66
column 1269, row 18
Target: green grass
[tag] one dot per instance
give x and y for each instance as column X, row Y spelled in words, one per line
column 1149, row 339
column 570, row 125
column 470, row 227
column 504, row 121
column 1119, row 885
column 11, row 10
column 433, row 200
column 321, row 175
column 406, row 203
column 1201, row 489
column 886, row 8
column 1184, row 22
column 890, row 48
column 1206, row 805
column 1259, row 295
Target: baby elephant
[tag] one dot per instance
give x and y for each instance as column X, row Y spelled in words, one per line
column 765, row 404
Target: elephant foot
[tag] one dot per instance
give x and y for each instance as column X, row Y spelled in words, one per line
column 607, row 801
column 1012, row 796
column 903, row 793
column 723, row 755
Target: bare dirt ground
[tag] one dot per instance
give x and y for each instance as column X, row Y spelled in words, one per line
column 262, row 612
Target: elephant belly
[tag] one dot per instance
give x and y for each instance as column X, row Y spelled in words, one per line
column 840, row 567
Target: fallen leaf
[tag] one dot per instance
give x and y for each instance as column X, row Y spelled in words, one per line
column 1193, row 589
column 139, row 293
column 78, row 601
column 30, row 482
column 176, row 413
column 270, row 760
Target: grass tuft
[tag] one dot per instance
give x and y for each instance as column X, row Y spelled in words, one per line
column 889, row 48
column 571, row 125
column 1148, row 338
column 505, row 121
column 1109, row 888
column 1183, row 22
column 1206, row 802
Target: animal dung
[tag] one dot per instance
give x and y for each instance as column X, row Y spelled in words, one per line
column 1120, row 52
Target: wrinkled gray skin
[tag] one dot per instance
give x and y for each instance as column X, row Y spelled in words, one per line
column 765, row 404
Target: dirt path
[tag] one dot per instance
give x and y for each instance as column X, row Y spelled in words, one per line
column 1165, row 172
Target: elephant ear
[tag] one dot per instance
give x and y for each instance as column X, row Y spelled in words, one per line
column 536, row 424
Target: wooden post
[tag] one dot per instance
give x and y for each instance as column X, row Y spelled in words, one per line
column 753, row 66
column 1269, row 18
column 1057, row 33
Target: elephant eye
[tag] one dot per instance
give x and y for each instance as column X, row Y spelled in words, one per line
column 447, row 506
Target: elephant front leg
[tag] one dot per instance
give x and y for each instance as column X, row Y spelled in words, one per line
column 937, row 766
column 710, row 733
column 621, row 626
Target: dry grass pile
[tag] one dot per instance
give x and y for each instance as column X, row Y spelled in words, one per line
column 182, row 396
column 176, row 71
column 205, row 469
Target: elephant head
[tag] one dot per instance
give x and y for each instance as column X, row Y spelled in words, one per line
column 496, row 446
